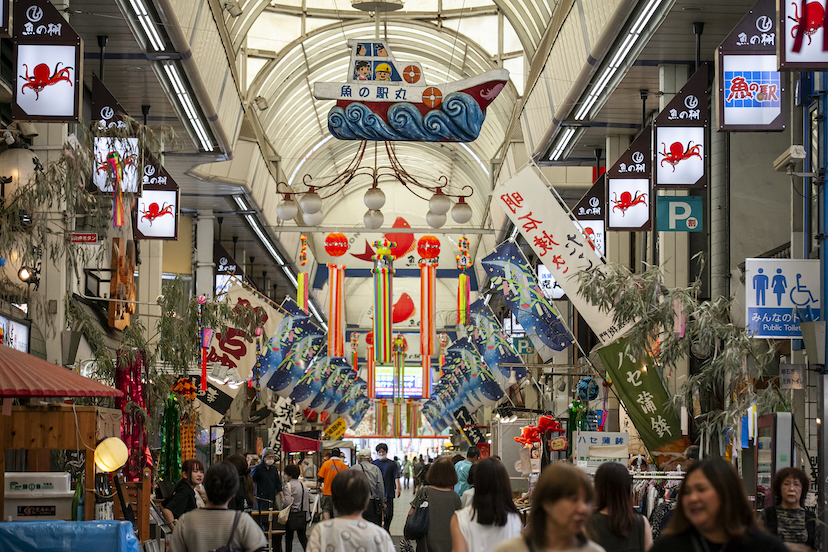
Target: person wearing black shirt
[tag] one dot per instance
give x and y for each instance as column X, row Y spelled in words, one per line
column 183, row 498
column 267, row 480
column 712, row 514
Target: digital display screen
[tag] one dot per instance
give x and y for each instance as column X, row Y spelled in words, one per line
column 412, row 381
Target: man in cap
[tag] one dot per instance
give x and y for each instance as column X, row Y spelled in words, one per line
column 377, row 497
column 267, row 480
column 327, row 473
column 391, row 478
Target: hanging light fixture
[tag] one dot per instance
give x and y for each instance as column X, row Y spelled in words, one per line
column 439, row 204
column 287, row 209
column 461, row 212
column 374, row 198
column 373, row 219
column 440, row 200
column 434, row 220
column 310, row 202
column 313, row 219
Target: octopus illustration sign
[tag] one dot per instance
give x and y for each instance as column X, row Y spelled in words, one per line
column 158, row 205
column 629, row 199
column 801, row 35
column 750, row 91
column 48, row 64
column 681, row 136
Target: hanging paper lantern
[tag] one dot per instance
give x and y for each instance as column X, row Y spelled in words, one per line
column 369, row 339
column 336, row 244
column 428, row 247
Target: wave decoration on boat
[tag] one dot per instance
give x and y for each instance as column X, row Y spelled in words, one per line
column 384, row 102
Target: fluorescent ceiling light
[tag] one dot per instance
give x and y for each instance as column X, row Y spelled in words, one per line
column 241, row 202
column 307, row 156
column 618, row 57
column 563, row 142
column 147, row 24
column 254, row 224
column 187, row 105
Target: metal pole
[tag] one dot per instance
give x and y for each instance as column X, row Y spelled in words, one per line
column 698, row 29
column 102, row 45
column 822, row 392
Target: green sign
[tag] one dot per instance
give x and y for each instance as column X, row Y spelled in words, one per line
column 523, row 345
column 641, row 389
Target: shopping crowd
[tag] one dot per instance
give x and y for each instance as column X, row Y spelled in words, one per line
column 468, row 506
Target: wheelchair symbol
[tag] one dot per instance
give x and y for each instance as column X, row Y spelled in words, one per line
column 802, row 293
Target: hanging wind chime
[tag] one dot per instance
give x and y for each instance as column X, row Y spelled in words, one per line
column 383, row 299
column 336, row 244
column 428, row 247
column 464, row 261
column 302, row 277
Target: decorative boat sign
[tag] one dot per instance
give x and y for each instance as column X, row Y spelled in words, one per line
column 387, row 100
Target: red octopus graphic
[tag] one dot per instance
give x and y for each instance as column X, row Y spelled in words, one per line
column 813, row 15
column 40, row 78
column 678, row 153
column 627, row 201
column 154, row 212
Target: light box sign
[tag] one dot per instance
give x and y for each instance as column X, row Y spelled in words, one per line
column 591, row 206
column 14, row 334
column 158, row 210
column 800, row 44
column 681, row 136
column 412, row 381
column 126, row 151
column 629, row 194
column 105, row 108
column 680, row 214
column 48, row 64
column 550, row 288
column 750, row 91
column 776, row 291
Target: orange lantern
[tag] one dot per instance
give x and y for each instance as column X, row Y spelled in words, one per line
column 428, row 247
column 336, row 244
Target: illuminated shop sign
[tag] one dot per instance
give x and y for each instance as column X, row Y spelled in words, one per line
column 628, row 201
column 591, row 206
column 750, row 91
column 412, row 381
column 157, row 212
column 116, row 154
column 800, row 38
column 48, row 64
column 106, row 111
column 680, row 159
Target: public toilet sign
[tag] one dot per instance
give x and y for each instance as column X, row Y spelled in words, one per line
column 681, row 136
column 48, row 64
column 775, row 289
column 679, row 214
column 750, row 91
column 629, row 188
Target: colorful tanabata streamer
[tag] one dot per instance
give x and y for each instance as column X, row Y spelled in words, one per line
column 381, row 417
column 371, row 391
column 412, row 419
column 383, row 299
column 355, row 351
column 118, row 207
column 428, row 315
column 169, row 469
column 302, row 291
column 397, row 432
column 336, row 310
column 464, row 262
column 129, row 378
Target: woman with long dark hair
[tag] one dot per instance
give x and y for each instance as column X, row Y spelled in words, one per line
column 713, row 515
column 442, row 503
column 615, row 525
column 492, row 516
column 245, row 494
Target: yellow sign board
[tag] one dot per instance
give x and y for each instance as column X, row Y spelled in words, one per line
column 336, row 430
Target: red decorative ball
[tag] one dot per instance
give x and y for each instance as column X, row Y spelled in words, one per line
column 369, row 339
column 428, row 247
column 336, row 244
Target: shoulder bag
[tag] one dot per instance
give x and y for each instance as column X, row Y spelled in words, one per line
column 416, row 526
column 284, row 513
column 229, row 546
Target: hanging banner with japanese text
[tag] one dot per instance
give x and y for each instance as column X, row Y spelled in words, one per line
column 547, row 227
column 232, row 349
column 48, row 64
column 681, row 136
column 513, row 277
column 750, row 91
column 641, row 389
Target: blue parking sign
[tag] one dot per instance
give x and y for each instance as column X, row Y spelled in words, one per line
column 679, row 214
column 776, row 292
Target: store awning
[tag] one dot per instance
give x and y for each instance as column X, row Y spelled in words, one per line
column 295, row 443
column 23, row 375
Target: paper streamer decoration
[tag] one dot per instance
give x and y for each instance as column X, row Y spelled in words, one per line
column 383, row 299
column 371, row 391
column 428, row 307
column 398, row 409
column 354, row 351
column 201, row 301
column 426, row 360
column 169, row 468
column 302, row 291
column 381, row 417
column 412, row 419
column 400, row 348
column 187, row 439
column 336, row 310
column 129, row 378
column 463, row 291
column 118, row 208
column 443, row 338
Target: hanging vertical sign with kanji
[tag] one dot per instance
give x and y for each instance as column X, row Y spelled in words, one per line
column 640, row 387
column 590, row 214
column 158, row 205
column 629, row 202
column 48, row 64
column 681, row 136
column 750, row 91
column 547, row 227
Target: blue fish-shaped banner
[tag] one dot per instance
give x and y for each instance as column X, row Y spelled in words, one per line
column 513, row 278
column 488, row 338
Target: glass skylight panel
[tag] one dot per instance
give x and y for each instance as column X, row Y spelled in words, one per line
column 274, row 31
column 254, row 65
column 516, row 73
